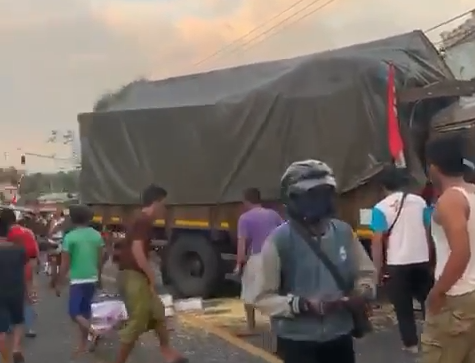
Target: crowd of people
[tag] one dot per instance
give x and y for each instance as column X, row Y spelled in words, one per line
column 77, row 253
column 314, row 280
column 309, row 273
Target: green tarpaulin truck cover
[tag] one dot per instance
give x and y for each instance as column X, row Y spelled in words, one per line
column 205, row 137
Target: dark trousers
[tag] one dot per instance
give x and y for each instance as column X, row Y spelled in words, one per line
column 11, row 311
column 339, row 350
column 405, row 283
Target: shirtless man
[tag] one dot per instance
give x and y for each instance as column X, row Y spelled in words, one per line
column 137, row 282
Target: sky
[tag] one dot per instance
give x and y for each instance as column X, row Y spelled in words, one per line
column 59, row 56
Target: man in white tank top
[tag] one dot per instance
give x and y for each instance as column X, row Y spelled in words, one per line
column 449, row 330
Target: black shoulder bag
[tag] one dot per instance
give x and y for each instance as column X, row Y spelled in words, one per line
column 359, row 311
column 398, row 213
column 391, row 227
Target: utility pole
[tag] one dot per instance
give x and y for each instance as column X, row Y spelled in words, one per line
column 67, row 138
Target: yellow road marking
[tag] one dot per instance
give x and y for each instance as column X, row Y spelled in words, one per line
column 198, row 323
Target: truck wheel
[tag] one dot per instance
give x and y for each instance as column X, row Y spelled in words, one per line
column 192, row 265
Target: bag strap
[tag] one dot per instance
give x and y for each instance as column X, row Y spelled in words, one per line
column 315, row 246
column 398, row 213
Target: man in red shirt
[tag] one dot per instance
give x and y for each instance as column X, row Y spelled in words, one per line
column 19, row 233
column 15, row 279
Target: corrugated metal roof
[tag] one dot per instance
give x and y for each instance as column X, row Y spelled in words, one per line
column 456, row 115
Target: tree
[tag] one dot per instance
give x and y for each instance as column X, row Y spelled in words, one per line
column 107, row 99
column 103, row 102
column 41, row 183
column 9, row 175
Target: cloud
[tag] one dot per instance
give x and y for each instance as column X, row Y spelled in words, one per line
column 177, row 34
column 59, row 56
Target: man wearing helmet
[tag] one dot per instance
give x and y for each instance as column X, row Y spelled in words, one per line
column 314, row 275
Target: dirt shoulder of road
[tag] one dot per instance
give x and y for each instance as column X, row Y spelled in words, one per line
column 228, row 313
column 225, row 318
column 57, row 337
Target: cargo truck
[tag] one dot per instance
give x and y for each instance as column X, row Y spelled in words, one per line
column 206, row 137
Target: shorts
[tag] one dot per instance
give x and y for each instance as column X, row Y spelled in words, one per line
column 145, row 310
column 80, row 299
column 11, row 312
column 449, row 335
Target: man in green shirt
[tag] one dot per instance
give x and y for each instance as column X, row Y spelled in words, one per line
column 82, row 257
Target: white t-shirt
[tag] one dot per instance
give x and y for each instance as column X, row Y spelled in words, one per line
column 407, row 243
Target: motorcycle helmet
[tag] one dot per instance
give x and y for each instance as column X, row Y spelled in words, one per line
column 308, row 190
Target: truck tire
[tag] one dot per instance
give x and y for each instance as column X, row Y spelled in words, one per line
column 193, row 266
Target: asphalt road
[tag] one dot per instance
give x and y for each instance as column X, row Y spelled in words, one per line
column 56, row 338
column 382, row 346
column 200, row 342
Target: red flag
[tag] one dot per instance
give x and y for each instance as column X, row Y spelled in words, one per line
column 395, row 142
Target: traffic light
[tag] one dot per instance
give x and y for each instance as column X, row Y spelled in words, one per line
column 23, row 160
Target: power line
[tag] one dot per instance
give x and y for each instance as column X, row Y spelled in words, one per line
column 457, row 17
column 284, row 23
column 460, row 39
column 284, row 26
column 281, row 25
column 239, row 45
column 236, row 41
